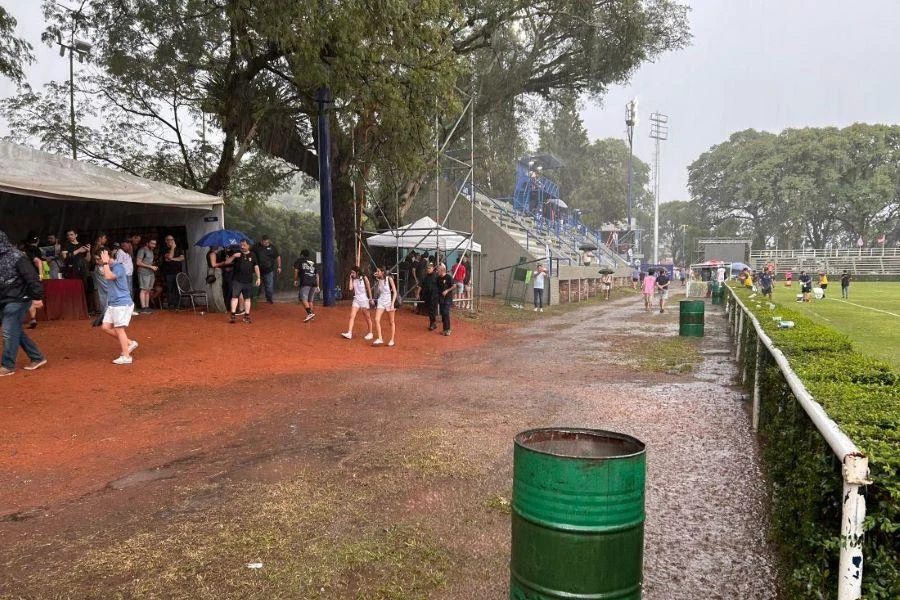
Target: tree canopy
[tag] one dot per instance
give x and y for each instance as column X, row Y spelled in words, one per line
column 14, row 52
column 220, row 95
column 813, row 186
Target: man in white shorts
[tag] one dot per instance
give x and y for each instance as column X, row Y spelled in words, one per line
column 119, row 306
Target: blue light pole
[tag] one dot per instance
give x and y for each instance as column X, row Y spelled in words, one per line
column 323, row 99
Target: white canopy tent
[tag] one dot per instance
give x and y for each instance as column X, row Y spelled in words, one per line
column 425, row 234
column 47, row 192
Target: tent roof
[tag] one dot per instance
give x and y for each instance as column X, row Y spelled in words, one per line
column 425, row 234
column 29, row 172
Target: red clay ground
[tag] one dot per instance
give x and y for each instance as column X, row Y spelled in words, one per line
column 59, row 423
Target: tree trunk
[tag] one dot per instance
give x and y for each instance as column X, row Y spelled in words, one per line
column 344, row 232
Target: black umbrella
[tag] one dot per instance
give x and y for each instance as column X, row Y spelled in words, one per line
column 606, row 271
column 586, row 247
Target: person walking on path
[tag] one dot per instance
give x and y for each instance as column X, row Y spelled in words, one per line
column 538, row 279
column 445, row 285
column 119, row 305
column 20, row 289
column 362, row 301
column 386, row 303
column 765, row 284
column 146, row 268
column 606, row 284
column 245, row 270
column 306, row 278
column 662, row 289
column 269, row 261
column 648, row 289
column 429, row 295
column 845, row 285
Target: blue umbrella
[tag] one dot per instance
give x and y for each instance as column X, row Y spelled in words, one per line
column 223, row 237
column 739, row 266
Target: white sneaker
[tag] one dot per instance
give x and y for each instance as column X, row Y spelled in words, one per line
column 368, row 336
column 347, row 335
column 378, row 342
column 122, row 360
column 391, row 343
column 132, row 346
column 541, row 309
column 309, row 317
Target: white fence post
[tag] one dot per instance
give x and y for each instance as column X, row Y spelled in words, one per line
column 755, row 413
column 850, row 566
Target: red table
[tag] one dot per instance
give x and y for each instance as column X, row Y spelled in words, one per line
column 64, row 299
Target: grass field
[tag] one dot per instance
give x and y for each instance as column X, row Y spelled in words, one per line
column 871, row 317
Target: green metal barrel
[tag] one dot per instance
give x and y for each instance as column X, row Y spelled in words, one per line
column 718, row 293
column 690, row 318
column 577, row 515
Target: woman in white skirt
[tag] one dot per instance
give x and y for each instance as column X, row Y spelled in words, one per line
column 387, row 298
column 362, row 300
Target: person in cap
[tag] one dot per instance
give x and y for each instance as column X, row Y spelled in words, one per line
column 20, row 289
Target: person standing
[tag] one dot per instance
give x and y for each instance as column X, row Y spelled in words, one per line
column 823, row 282
column 173, row 264
column 36, row 257
column 245, row 272
column 845, row 285
column 120, row 306
column 459, row 278
column 124, row 257
column 648, row 287
column 307, row 279
column 20, row 289
column 469, row 293
column 214, row 280
column 52, row 252
column 662, row 289
column 805, row 286
column 788, row 278
column 429, row 296
column 765, row 283
column 445, row 285
column 538, row 280
column 386, row 303
column 145, row 261
column 362, row 300
column 269, row 260
column 100, row 284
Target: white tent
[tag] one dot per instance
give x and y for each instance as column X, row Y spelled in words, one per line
column 424, row 234
column 47, row 192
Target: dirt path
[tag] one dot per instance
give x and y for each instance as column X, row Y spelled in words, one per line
column 393, row 480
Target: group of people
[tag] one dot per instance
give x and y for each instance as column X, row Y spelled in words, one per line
column 435, row 291
column 21, row 291
column 655, row 282
column 414, row 269
column 764, row 281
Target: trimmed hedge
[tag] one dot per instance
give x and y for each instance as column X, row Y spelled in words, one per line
column 862, row 395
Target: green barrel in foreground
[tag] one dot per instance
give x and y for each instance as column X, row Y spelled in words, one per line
column 690, row 318
column 577, row 515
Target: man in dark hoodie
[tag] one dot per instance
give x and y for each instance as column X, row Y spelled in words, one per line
column 20, row 289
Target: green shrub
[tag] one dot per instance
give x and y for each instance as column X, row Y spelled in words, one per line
column 861, row 395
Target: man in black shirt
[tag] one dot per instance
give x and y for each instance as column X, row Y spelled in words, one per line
column 662, row 288
column 445, row 285
column 306, row 278
column 245, row 270
column 269, row 264
column 429, row 296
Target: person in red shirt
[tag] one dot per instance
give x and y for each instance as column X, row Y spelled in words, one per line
column 459, row 278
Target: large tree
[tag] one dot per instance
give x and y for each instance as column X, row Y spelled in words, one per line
column 196, row 90
column 15, row 52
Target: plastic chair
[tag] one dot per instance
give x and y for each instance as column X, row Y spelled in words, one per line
column 183, row 282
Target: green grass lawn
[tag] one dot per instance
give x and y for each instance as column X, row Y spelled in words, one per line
column 874, row 333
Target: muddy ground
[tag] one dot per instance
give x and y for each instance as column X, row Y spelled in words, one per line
column 312, row 467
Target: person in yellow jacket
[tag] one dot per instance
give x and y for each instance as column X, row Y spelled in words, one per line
column 823, row 282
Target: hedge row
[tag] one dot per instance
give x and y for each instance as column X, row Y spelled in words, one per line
column 862, row 395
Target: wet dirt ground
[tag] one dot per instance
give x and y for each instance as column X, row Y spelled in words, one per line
column 411, row 444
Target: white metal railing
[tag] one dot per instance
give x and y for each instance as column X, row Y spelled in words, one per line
column 854, row 464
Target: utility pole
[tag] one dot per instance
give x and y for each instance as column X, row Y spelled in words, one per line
column 81, row 48
column 659, row 131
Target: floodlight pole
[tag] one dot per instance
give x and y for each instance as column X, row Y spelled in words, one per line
column 659, row 131
column 82, row 48
column 630, row 122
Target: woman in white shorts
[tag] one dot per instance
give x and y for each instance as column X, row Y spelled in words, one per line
column 387, row 297
column 362, row 294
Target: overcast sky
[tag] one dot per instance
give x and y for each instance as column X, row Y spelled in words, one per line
column 766, row 64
